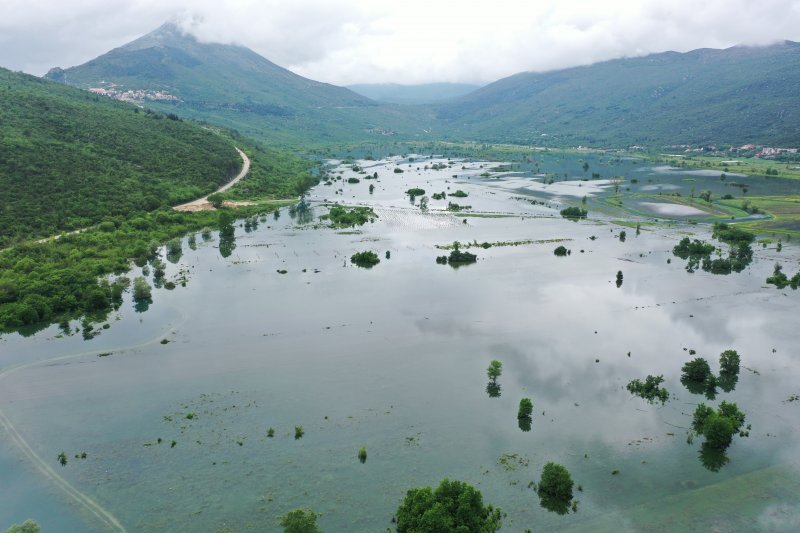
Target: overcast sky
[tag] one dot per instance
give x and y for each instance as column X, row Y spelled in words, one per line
column 402, row 41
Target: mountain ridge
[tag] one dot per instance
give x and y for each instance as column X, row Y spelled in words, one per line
column 700, row 96
column 232, row 86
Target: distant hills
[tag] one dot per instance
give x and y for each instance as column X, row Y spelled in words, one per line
column 234, row 87
column 426, row 93
column 738, row 95
column 70, row 159
column 735, row 96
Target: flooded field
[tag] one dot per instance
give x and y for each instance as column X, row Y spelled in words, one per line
column 173, row 405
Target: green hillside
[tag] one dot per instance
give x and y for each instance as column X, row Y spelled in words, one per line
column 735, row 96
column 234, row 87
column 68, row 159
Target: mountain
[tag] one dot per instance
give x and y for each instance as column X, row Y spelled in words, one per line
column 69, row 159
column 234, row 87
column 427, row 93
column 738, row 95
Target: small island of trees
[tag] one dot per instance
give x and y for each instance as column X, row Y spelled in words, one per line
column 365, row 259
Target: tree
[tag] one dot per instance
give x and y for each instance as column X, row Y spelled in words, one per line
column 494, row 370
column 706, row 195
column 454, row 506
column 561, row 251
column 28, row 526
column 729, row 362
column 300, row 521
column 525, row 408
column 216, row 200
column 696, row 370
column 555, row 488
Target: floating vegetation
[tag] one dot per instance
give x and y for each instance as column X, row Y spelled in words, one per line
column 619, row 279
column 62, row 458
column 298, row 432
column 365, row 259
column 270, row 433
column 649, row 390
column 362, row 455
column 459, row 194
column 487, row 245
column 512, row 461
column 416, row 191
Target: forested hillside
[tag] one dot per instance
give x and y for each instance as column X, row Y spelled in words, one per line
column 739, row 95
column 68, row 159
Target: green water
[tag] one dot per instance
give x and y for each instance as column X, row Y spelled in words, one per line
column 393, row 359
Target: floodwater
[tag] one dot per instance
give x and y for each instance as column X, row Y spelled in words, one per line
column 394, row 358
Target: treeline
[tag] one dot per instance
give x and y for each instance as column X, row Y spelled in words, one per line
column 69, row 158
column 66, row 278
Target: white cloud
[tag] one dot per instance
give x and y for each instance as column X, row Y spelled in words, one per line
column 353, row 41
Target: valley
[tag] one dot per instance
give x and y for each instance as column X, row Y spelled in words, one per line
column 233, row 298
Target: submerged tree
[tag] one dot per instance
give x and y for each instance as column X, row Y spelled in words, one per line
column 495, row 370
column 300, row 521
column 555, row 488
column 453, row 506
column 649, row 390
column 718, row 427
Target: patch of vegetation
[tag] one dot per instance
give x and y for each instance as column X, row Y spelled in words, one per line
column 739, row 256
column 416, row 191
column 459, row 194
column 356, row 216
column 781, row 280
column 353, row 180
column 300, row 521
column 458, row 257
column 298, row 432
column 451, row 206
column 28, row 526
column 362, row 455
column 561, row 251
column 649, row 390
column 452, row 506
column 65, row 278
column 555, row 488
column 365, row 259
column 574, row 213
